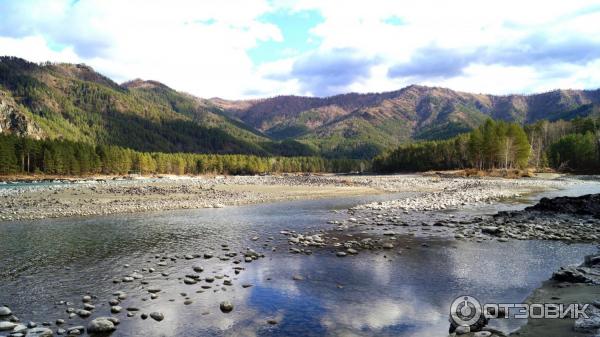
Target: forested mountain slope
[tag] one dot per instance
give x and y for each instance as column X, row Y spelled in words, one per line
column 73, row 102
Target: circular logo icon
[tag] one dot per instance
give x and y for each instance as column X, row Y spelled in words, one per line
column 465, row 310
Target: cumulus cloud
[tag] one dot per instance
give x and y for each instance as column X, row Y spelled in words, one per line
column 203, row 46
column 194, row 46
column 536, row 51
column 331, row 72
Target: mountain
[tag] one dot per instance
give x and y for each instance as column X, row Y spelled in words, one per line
column 73, row 102
column 360, row 125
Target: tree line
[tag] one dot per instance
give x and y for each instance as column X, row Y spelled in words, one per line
column 566, row 145
column 562, row 145
column 496, row 144
column 22, row 155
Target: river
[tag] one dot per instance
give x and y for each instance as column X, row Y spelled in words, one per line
column 374, row 293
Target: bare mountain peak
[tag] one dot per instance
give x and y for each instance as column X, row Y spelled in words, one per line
column 139, row 83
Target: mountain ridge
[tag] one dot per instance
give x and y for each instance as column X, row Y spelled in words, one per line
column 74, row 102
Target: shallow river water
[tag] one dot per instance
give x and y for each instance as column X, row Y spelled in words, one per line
column 373, row 293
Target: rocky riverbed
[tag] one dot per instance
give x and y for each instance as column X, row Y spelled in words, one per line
column 102, row 197
column 141, row 291
column 377, row 225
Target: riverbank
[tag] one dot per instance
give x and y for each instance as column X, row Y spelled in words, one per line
column 570, row 284
column 179, row 264
column 103, row 197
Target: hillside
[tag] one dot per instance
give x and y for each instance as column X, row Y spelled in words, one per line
column 360, row 125
column 74, row 102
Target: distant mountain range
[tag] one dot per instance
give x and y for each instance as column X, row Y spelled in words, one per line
column 74, row 102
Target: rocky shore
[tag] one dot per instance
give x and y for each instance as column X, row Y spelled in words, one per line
column 379, row 224
column 102, row 197
column 370, row 227
column 570, row 284
column 205, row 272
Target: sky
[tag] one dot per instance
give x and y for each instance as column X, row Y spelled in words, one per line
column 239, row 49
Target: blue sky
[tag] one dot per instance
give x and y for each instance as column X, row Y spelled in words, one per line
column 255, row 48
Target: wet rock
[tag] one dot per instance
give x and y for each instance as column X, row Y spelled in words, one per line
column 19, row 328
column 226, row 306
column 492, row 230
column 587, row 325
column 157, row 316
column 76, row 330
column 154, row 290
column 5, row 326
column 39, row 332
column 188, row 280
column 584, row 205
column 116, row 309
column 198, row 269
column 86, row 299
column 341, row 254
column 5, row 311
column 83, row 313
column 462, row 330
column 101, row 325
column 572, row 275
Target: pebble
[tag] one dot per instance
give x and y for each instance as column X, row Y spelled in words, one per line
column 226, row 306
column 83, row 313
column 157, row 316
column 101, row 325
column 5, row 311
column 5, row 326
column 39, row 332
column 76, row 330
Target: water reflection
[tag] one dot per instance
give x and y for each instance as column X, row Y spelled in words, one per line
column 383, row 293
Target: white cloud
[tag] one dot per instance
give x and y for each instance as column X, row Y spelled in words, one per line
column 194, row 46
column 201, row 46
column 503, row 27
